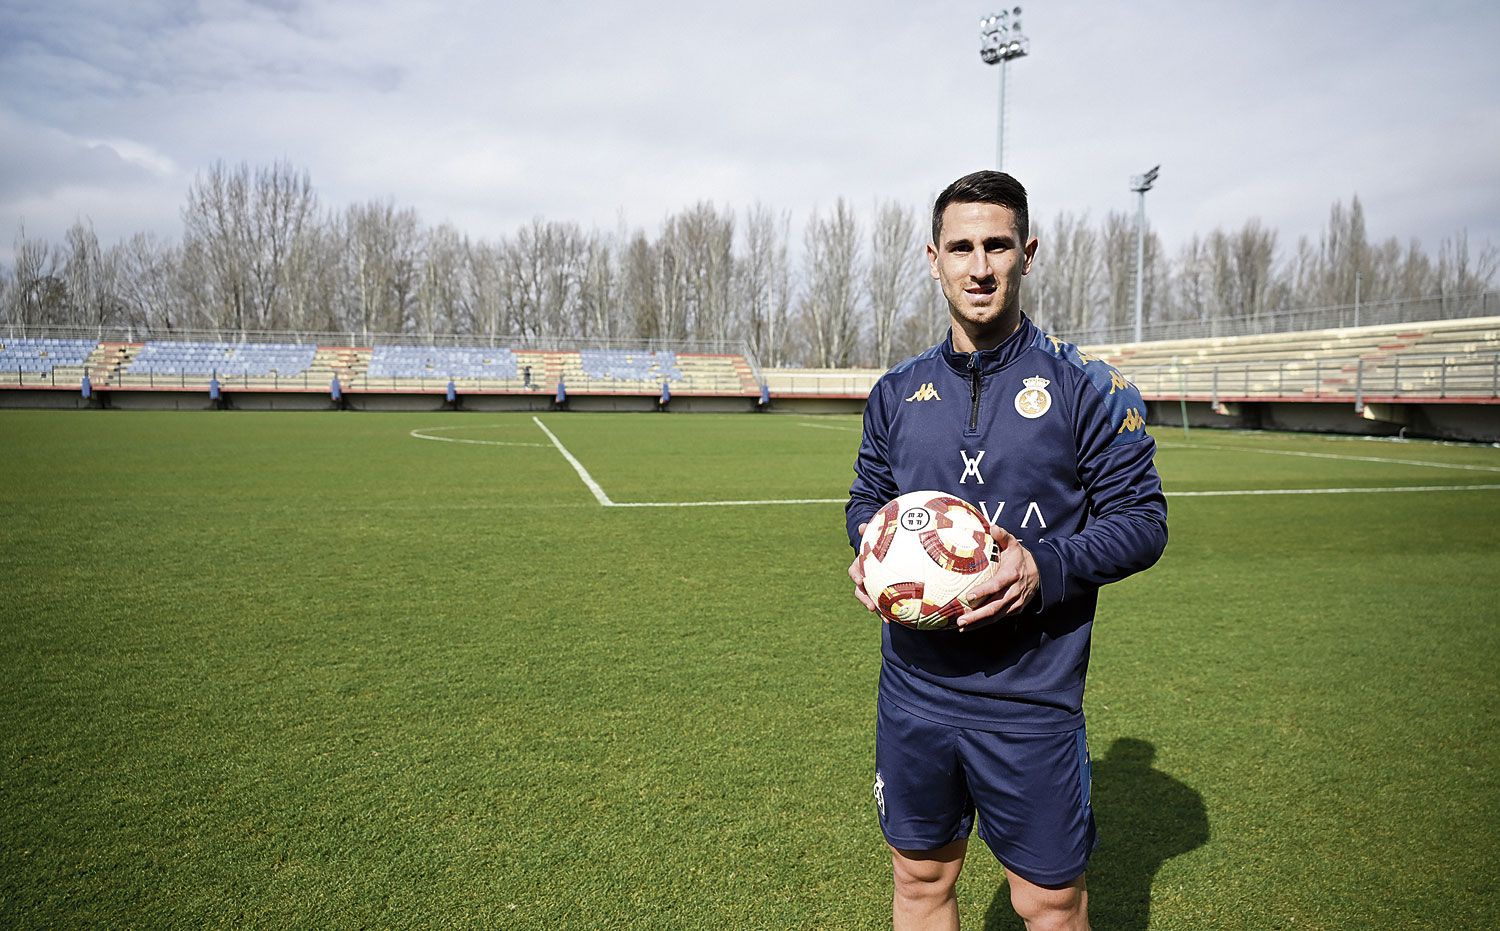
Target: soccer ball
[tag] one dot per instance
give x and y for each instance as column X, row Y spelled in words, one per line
column 921, row 554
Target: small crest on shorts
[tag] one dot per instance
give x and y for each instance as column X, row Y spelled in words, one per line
column 1033, row 400
column 880, row 794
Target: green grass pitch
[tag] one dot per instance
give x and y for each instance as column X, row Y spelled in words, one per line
column 310, row 670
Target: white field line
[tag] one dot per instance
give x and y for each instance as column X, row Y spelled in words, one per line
column 829, row 426
column 421, row 435
column 1228, row 493
column 605, row 501
column 1306, row 455
column 722, row 504
column 588, row 480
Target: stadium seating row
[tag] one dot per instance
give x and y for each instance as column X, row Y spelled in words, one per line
column 41, row 355
column 242, row 359
column 624, row 365
column 441, row 362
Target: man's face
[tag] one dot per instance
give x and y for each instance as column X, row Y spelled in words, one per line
column 979, row 260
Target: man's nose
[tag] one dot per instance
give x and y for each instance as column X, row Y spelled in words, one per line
column 979, row 265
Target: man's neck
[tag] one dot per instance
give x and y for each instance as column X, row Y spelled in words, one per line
column 976, row 340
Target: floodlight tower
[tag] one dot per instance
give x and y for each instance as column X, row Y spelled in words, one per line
column 1000, row 40
column 1141, row 184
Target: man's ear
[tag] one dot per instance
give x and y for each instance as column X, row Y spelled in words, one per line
column 932, row 261
column 1030, row 255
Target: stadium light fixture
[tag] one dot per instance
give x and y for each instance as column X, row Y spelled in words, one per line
column 1141, row 184
column 1000, row 40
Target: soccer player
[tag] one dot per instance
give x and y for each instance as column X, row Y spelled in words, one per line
column 981, row 725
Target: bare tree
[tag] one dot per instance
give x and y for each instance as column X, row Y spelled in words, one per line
column 216, row 243
column 893, row 281
column 442, row 299
column 1070, row 271
column 149, row 286
column 37, row 294
column 380, row 256
column 764, row 283
column 831, row 290
column 282, row 203
column 598, row 292
column 92, row 276
column 1459, row 271
column 695, row 261
column 639, row 288
column 1190, row 290
column 486, row 265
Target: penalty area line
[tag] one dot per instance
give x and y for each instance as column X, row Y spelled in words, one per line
column 605, row 500
column 1244, row 492
column 723, row 504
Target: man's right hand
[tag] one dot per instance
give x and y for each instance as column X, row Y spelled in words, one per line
column 859, row 578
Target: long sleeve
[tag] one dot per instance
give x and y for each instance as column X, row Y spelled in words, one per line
column 1127, row 527
column 874, row 482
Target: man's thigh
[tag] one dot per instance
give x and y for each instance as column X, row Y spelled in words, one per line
column 1032, row 795
column 921, row 794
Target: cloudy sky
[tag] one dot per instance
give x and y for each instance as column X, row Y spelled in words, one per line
column 487, row 114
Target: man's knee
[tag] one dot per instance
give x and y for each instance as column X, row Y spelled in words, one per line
column 929, row 875
column 1050, row 908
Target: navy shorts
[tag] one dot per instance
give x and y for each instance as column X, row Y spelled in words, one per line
column 1031, row 792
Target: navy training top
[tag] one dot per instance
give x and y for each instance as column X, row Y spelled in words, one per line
column 1050, row 443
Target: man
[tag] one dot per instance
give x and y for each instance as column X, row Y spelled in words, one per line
column 1050, row 443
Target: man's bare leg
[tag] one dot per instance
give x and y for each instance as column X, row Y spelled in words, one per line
column 1050, row 908
column 925, row 881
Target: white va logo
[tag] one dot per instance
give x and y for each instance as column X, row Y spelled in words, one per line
column 880, row 794
column 971, row 467
column 1031, row 511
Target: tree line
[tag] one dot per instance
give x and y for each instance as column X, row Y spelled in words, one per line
column 259, row 252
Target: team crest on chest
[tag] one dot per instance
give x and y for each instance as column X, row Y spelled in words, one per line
column 1033, row 401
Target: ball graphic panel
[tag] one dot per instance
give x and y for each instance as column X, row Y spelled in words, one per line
column 921, row 554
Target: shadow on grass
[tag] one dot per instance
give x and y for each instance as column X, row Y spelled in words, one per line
column 1145, row 819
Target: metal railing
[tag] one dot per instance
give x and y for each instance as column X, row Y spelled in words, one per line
column 320, row 381
column 353, row 338
column 1338, row 316
column 1416, row 376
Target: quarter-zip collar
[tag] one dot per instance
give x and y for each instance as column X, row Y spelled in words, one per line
column 989, row 361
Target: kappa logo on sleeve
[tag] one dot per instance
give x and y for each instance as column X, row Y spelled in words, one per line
column 1117, row 382
column 925, row 393
column 1133, row 421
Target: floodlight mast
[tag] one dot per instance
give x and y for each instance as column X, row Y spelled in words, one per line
column 1000, row 40
column 1141, row 184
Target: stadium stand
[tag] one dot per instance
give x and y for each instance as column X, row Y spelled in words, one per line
column 627, row 366
column 250, row 360
column 41, row 356
column 441, row 362
column 1432, row 360
column 1258, row 378
column 108, row 359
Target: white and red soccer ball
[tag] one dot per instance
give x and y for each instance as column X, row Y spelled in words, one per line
column 922, row 554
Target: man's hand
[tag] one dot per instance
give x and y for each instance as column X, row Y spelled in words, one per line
column 859, row 578
column 1007, row 591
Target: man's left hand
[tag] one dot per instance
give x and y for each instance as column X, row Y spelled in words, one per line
column 1009, row 590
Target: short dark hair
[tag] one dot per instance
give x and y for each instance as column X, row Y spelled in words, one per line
column 982, row 187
